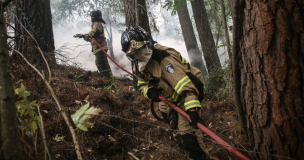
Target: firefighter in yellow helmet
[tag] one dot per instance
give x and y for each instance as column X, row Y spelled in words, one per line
column 97, row 32
column 163, row 71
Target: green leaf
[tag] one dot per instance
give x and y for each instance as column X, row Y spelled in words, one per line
column 34, row 103
column 31, row 113
column 80, row 76
column 58, row 139
column 32, row 125
column 22, row 128
column 21, row 92
column 77, row 115
column 82, row 127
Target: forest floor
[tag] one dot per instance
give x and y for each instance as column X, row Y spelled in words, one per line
column 131, row 126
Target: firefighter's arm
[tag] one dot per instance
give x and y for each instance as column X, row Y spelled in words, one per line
column 148, row 90
column 143, row 87
column 175, row 73
column 94, row 33
column 87, row 38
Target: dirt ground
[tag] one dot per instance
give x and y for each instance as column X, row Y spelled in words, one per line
column 127, row 132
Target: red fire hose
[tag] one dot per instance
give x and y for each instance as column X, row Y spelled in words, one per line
column 207, row 131
column 153, row 111
column 111, row 58
column 200, row 126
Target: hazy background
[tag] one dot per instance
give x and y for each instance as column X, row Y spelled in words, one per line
column 169, row 35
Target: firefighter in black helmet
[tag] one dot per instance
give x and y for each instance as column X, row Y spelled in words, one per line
column 97, row 32
column 163, row 71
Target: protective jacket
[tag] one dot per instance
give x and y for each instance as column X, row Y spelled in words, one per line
column 180, row 81
column 97, row 32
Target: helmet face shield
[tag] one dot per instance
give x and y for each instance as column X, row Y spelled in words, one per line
column 133, row 40
column 135, row 47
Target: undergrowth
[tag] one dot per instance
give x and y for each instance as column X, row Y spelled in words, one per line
column 218, row 85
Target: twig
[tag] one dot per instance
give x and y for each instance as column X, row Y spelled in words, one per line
column 43, row 135
column 149, row 139
column 77, row 149
column 131, row 154
column 35, row 145
column 14, row 37
column 142, row 7
column 47, row 65
column 4, row 4
column 28, row 132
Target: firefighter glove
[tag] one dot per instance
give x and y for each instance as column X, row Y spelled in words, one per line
column 153, row 94
column 195, row 118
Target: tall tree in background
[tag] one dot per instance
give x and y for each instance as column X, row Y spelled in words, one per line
column 108, row 28
column 205, row 34
column 272, row 72
column 11, row 145
column 37, row 18
column 225, row 28
column 143, row 20
column 194, row 53
column 217, row 22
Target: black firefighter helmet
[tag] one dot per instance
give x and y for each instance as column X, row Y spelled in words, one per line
column 97, row 16
column 133, row 39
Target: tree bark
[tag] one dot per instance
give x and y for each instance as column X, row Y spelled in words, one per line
column 110, row 33
column 230, row 6
column 272, row 56
column 205, row 34
column 37, row 18
column 11, row 144
column 235, row 65
column 129, row 7
column 143, row 16
column 194, row 53
column 217, row 22
column 225, row 29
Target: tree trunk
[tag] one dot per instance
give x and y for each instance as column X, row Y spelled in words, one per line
column 217, row 22
column 143, row 16
column 205, row 34
column 194, row 53
column 225, row 29
column 110, row 33
column 36, row 17
column 129, row 7
column 11, row 143
column 272, row 56
column 230, row 5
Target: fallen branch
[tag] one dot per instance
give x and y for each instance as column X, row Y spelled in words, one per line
column 77, row 148
column 131, row 154
column 46, row 151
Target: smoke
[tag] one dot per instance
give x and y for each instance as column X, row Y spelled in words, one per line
column 169, row 35
column 64, row 36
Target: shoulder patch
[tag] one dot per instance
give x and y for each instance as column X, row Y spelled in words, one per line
column 170, row 69
column 159, row 55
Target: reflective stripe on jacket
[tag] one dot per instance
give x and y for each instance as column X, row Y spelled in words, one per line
column 169, row 68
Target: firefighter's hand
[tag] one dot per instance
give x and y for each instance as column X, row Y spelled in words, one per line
column 153, row 94
column 195, row 118
column 79, row 36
